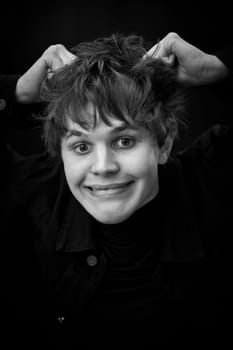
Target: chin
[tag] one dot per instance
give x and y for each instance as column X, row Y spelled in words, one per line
column 111, row 219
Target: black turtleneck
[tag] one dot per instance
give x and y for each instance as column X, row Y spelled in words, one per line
column 132, row 250
column 125, row 244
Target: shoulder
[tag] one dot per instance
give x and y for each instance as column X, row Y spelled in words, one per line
column 213, row 147
column 37, row 189
column 32, row 176
column 202, row 174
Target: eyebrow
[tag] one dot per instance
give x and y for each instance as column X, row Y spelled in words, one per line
column 75, row 132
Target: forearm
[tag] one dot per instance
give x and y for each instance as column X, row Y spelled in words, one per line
column 193, row 66
column 28, row 86
column 215, row 70
column 14, row 115
column 221, row 65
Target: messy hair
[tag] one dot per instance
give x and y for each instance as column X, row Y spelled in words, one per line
column 113, row 74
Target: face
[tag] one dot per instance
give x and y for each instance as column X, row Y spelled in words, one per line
column 111, row 170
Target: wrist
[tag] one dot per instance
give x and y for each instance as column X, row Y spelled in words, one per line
column 19, row 91
column 28, row 85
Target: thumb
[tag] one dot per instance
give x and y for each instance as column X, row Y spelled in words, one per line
column 168, row 60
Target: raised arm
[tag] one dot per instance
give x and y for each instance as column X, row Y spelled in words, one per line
column 194, row 67
column 25, row 89
column 20, row 94
column 28, row 85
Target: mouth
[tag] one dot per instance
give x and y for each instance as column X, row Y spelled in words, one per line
column 109, row 189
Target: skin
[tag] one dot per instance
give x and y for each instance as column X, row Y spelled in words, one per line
column 105, row 156
column 194, row 67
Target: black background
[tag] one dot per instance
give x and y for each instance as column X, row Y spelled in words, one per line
column 28, row 28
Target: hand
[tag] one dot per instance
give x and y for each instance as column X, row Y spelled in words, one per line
column 194, row 67
column 28, row 85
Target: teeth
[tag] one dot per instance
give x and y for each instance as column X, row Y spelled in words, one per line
column 107, row 189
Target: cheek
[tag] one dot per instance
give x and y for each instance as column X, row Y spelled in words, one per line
column 74, row 170
column 143, row 164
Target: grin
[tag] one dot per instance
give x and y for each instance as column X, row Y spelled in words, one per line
column 105, row 191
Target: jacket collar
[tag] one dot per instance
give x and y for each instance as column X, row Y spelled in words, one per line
column 181, row 240
column 181, row 234
column 76, row 230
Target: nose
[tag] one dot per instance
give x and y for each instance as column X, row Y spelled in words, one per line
column 104, row 162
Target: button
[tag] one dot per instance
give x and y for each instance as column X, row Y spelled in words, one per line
column 2, row 104
column 61, row 319
column 92, row 260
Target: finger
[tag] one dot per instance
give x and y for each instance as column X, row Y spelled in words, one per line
column 152, row 52
column 59, row 58
column 159, row 51
column 169, row 60
column 165, row 47
column 66, row 56
column 55, row 64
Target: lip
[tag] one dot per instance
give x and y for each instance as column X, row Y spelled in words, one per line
column 110, row 190
column 109, row 186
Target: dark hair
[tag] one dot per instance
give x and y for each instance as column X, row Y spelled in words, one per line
column 112, row 74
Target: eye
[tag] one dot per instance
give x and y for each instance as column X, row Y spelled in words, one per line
column 81, row 148
column 125, row 142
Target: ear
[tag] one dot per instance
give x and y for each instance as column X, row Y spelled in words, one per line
column 165, row 150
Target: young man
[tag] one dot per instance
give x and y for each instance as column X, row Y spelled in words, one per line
column 112, row 240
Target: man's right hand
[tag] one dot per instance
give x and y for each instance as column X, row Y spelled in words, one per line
column 29, row 84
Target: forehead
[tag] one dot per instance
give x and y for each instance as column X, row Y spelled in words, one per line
column 102, row 131
column 116, row 124
column 91, row 116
